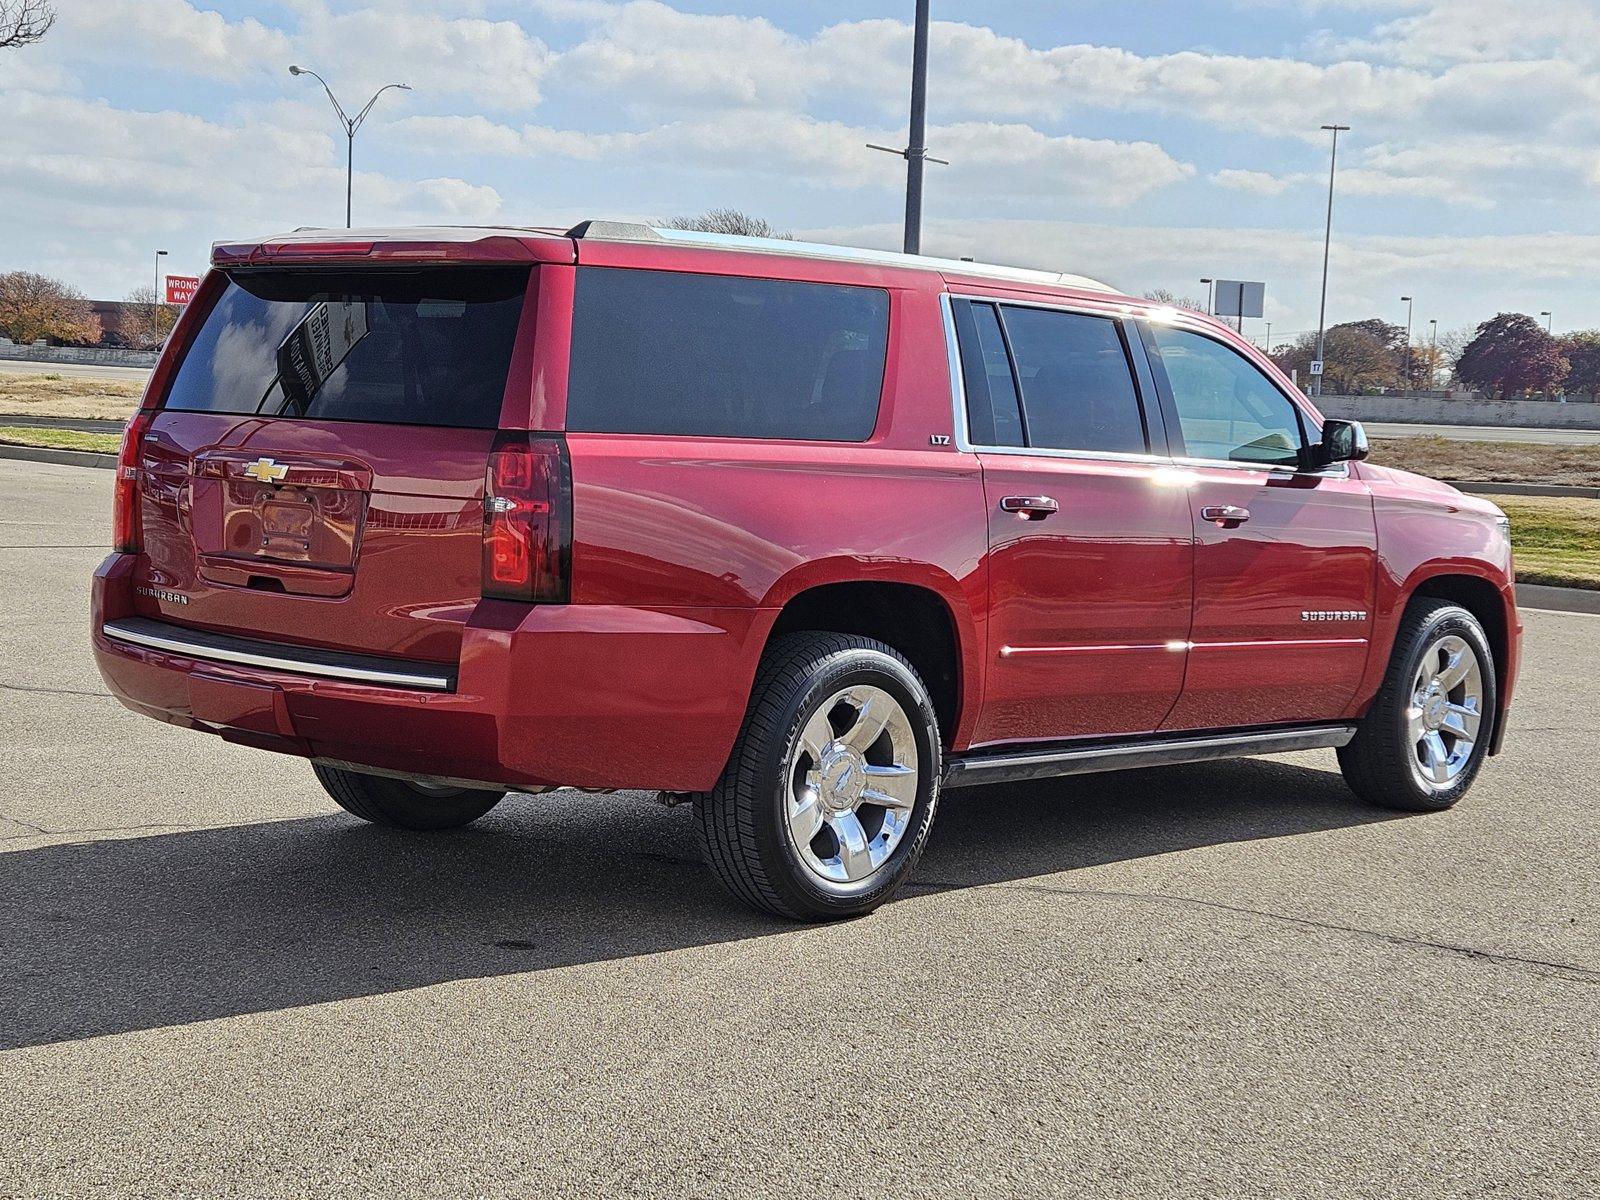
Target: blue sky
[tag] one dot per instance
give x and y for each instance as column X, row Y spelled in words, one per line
column 1148, row 144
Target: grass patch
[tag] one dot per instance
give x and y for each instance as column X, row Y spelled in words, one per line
column 53, row 395
column 59, row 439
column 1556, row 540
column 1491, row 462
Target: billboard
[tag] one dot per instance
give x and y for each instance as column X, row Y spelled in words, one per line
column 181, row 288
column 1240, row 298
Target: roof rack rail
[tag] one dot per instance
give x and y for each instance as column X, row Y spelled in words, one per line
column 629, row 231
column 633, row 231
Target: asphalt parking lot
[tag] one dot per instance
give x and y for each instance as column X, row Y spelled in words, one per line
column 1225, row 980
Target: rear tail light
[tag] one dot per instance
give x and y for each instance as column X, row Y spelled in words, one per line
column 527, row 519
column 125, row 490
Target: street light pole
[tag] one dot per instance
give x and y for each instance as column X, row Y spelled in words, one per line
column 1210, row 289
column 1410, row 308
column 1549, row 320
column 351, row 124
column 1433, row 354
column 155, row 300
column 1327, row 243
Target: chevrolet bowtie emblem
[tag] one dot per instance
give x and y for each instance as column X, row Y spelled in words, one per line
column 264, row 470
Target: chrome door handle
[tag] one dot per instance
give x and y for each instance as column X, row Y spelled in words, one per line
column 1225, row 514
column 1032, row 508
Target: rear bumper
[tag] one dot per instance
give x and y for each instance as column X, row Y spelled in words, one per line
column 595, row 696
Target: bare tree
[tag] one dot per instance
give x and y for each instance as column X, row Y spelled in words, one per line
column 1172, row 300
column 728, row 220
column 148, row 321
column 24, row 21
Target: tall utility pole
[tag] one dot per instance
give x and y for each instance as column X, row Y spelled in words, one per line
column 1410, row 307
column 1327, row 243
column 351, row 124
column 917, row 149
column 1210, row 288
column 160, row 254
column 1549, row 320
column 916, row 152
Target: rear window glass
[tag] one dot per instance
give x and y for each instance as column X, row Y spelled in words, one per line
column 403, row 347
column 659, row 352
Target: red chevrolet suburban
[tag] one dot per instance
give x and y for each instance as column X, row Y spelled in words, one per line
column 803, row 533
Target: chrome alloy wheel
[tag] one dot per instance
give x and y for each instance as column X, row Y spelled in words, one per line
column 1445, row 711
column 851, row 784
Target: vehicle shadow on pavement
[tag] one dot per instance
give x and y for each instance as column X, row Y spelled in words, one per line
column 113, row 936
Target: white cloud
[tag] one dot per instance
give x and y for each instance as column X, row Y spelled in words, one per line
column 496, row 64
column 1367, row 273
column 174, row 35
column 989, row 159
column 649, row 50
column 1261, row 183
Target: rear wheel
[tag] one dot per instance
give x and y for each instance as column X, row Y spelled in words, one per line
column 1422, row 743
column 829, row 794
column 402, row 804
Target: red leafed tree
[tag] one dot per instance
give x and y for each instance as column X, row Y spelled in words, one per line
column 1512, row 355
column 35, row 306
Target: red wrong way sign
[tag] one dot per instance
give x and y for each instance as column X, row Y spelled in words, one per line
column 181, row 288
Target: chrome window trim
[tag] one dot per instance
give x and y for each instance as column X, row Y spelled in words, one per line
column 958, row 390
column 958, row 394
column 212, row 647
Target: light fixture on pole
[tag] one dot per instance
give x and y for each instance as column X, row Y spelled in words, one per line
column 1327, row 243
column 1269, row 337
column 160, row 254
column 916, row 152
column 1548, row 320
column 351, row 124
column 1210, row 288
column 1410, row 308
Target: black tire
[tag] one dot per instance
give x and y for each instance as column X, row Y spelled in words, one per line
column 1382, row 764
column 397, row 804
column 744, row 831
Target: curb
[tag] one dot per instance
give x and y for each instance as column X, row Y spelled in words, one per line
column 64, row 458
column 78, row 424
column 1478, row 487
column 1558, row 599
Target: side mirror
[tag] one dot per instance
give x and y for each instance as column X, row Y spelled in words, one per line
column 1342, row 441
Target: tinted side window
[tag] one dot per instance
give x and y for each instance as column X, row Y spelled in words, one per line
column 1077, row 385
column 1228, row 410
column 994, row 417
column 398, row 346
column 662, row 352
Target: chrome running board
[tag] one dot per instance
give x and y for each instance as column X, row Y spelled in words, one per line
column 989, row 766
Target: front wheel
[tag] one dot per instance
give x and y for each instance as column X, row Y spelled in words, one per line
column 827, row 799
column 1423, row 741
column 401, row 804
